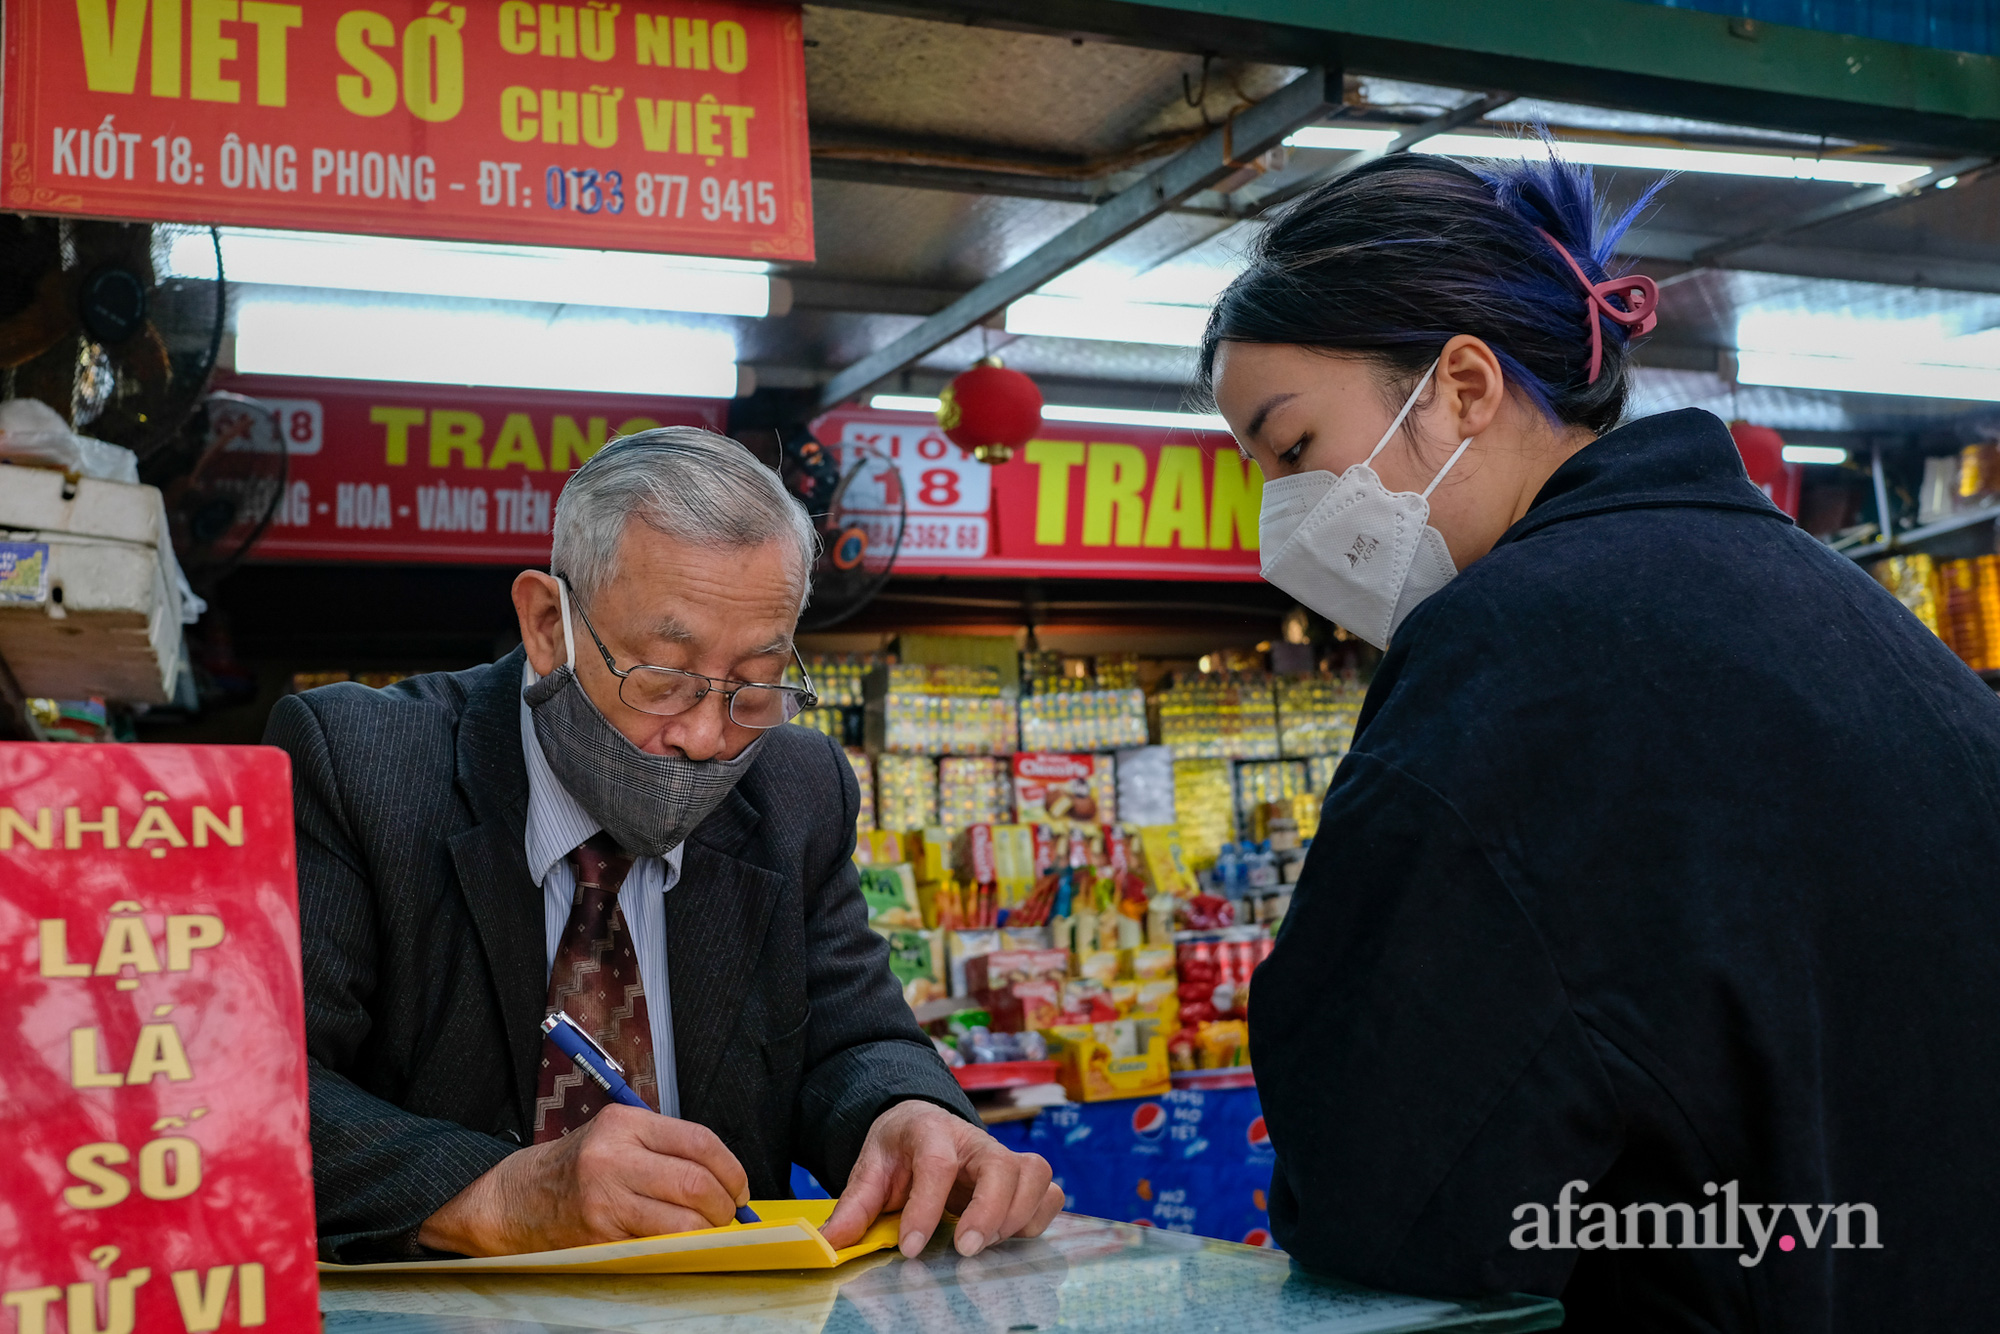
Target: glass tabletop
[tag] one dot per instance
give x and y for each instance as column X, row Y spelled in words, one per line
column 1086, row 1275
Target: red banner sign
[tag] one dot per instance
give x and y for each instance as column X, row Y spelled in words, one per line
column 152, row 1042
column 636, row 125
column 1117, row 502
column 433, row 473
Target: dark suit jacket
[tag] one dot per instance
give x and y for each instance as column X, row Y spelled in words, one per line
column 426, row 969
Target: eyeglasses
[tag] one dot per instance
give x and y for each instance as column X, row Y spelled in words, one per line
column 666, row 691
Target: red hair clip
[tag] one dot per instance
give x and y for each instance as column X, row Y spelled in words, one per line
column 1642, row 303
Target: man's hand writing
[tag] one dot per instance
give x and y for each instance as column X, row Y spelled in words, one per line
column 628, row 1173
column 921, row 1159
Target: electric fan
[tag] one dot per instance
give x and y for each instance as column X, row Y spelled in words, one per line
column 858, row 513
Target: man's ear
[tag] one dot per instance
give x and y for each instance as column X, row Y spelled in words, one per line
column 538, row 607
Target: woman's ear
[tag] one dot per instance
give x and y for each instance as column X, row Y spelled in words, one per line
column 1471, row 385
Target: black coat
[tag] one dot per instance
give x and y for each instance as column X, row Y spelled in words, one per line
column 426, row 965
column 1665, row 856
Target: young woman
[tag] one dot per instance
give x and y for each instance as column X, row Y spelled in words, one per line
column 1649, row 950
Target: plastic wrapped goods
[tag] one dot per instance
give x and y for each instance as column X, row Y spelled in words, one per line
column 1083, row 720
column 905, row 792
column 1146, row 785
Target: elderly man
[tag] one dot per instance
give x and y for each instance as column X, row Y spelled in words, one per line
column 613, row 822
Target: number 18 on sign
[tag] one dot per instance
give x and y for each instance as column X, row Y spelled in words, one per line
column 156, row 1175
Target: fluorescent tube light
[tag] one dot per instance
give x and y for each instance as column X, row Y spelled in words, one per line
column 1861, row 375
column 1814, row 454
column 1643, row 157
column 1057, row 412
column 1112, row 321
column 1339, row 138
column 493, row 272
column 1177, row 421
column 382, row 341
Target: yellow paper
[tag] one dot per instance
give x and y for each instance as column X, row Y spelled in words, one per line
column 787, row 1238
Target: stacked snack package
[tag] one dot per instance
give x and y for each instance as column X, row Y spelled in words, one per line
column 828, row 721
column 1046, row 673
column 1914, row 581
column 1117, row 671
column 1316, row 714
column 905, row 792
column 1083, row 720
column 837, row 679
column 942, row 709
column 1058, row 789
column 1205, row 806
column 1263, row 781
column 1228, row 717
column 1971, row 621
column 864, row 775
column 1319, row 776
column 916, row 955
column 974, row 790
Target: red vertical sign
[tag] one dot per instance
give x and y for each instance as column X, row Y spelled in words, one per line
column 157, row 1174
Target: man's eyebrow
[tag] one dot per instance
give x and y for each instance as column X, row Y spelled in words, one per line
column 780, row 646
column 674, row 632
column 1264, row 410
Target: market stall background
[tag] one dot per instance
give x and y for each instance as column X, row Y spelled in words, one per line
column 1074, row 640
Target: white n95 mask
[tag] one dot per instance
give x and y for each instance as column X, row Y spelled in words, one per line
column 1354, row 551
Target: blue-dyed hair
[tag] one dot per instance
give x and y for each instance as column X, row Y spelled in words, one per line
column 1396, row 258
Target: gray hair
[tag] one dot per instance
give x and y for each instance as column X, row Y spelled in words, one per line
column 691, row 484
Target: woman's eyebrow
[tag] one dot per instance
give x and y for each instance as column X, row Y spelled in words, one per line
column 1264, row 410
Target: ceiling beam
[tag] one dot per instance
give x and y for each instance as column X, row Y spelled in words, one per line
column 1611, row 53
column 1221, row 152
column 1857, row 204
column 1463, row 114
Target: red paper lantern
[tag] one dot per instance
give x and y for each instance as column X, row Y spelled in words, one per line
column 990, row 410
column 1763, row 451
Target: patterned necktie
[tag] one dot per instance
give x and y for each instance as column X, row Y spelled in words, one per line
column 596, row 982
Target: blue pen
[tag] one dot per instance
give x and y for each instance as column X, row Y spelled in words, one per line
column 604, row 1071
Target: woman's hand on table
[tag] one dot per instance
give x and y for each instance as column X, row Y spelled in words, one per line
column 921, row 1159
column 627, row 1173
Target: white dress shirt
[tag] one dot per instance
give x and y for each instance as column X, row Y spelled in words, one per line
column 556, row 826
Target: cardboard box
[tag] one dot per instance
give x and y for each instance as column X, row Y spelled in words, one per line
column 1020, row 1007
column 1092, row 1073
column 1002, row 968
column 105, row 616
column 1104, row 965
